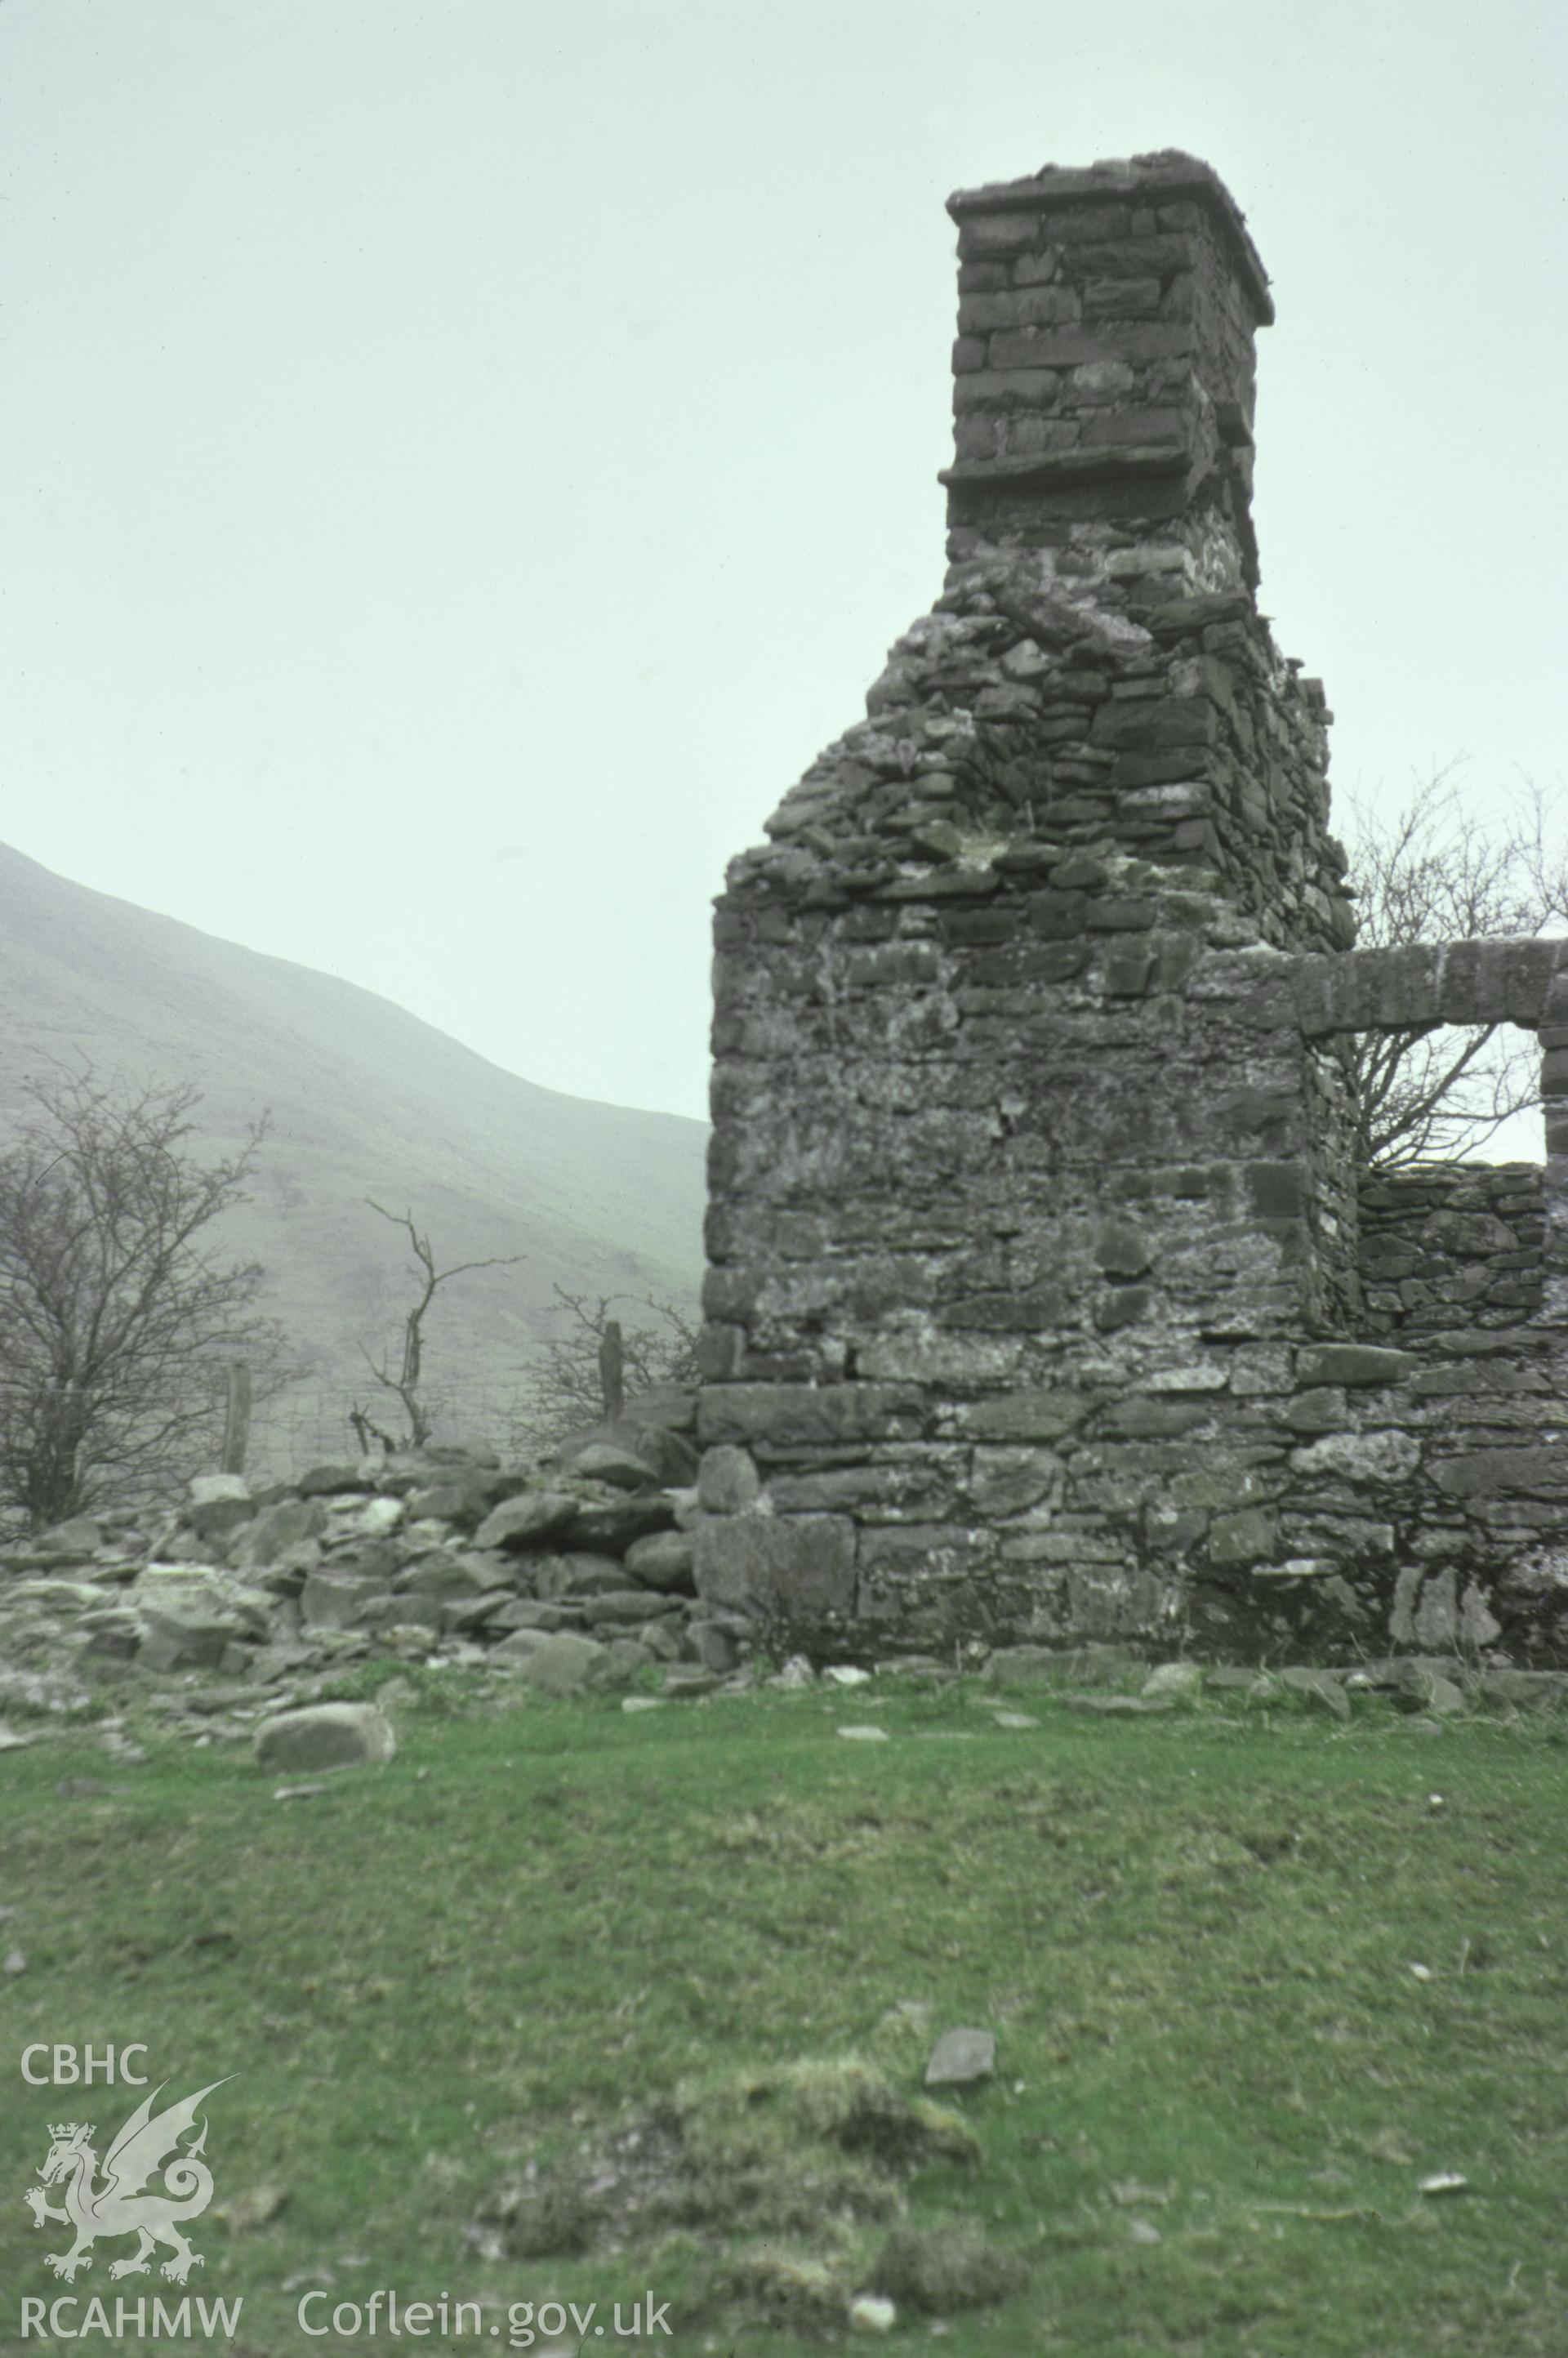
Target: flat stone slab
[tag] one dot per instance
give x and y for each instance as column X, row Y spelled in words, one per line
column 1121, row 1706
column 524, row 1522
column 602, row 1461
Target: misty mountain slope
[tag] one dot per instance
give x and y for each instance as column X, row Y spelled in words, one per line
column 364, row 1099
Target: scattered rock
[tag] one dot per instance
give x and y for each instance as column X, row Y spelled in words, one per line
column 324, row 1735
column 689, row 1678
column 1253, row 1686
column 603, row 1461
column 1525, row 1689
column 564, row 1664
column 1018, row 1666
column 873, row 2313
column 1318, row 1686
column 1443, row 1699
column 865, row 1734
column 1118, row 1705
column 237, row 1696
column 517, row 1522
column 522, row 1645
column 1182, row 1681
column 960, row 2058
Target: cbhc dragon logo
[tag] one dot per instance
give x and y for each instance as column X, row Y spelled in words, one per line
column 118, row 2207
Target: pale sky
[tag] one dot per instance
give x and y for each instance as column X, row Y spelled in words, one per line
column 463, row 457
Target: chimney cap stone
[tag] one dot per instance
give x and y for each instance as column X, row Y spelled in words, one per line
column 1168, row 173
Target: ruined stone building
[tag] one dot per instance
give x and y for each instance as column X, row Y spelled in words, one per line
column 1045, row 1299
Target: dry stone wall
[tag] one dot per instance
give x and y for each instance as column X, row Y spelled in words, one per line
column 1451, row 1240
column 1038, row 1303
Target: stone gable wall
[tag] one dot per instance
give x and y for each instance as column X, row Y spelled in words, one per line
column 1042, row 1302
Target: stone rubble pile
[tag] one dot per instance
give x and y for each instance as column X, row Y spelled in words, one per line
column 575, row 1572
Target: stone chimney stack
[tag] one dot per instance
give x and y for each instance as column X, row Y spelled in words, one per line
column 1104, row 364
column 1021, row 1167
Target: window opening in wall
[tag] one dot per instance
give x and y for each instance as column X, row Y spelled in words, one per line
column 1449, row 1092
column 1450, row 1237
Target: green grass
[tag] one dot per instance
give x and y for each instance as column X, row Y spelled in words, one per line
column 1193, row 1936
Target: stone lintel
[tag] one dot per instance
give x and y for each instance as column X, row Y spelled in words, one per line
column 1503, row 980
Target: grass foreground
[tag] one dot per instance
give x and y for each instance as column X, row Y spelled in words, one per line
column 579, row 2004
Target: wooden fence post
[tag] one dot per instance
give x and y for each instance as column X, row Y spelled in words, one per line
column 237, row 1419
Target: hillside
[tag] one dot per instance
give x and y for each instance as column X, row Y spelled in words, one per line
column 364, row 1099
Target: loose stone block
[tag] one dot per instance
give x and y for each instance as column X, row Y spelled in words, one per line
column 527, row 1520
column 960, row 2058
column 324, row 1735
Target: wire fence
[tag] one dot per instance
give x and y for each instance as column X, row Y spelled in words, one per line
column 308, row 1424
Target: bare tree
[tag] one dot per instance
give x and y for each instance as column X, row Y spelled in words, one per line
column 405, row 1384
column 117, row 1330
column 1434, row 871
column 579, row 1369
